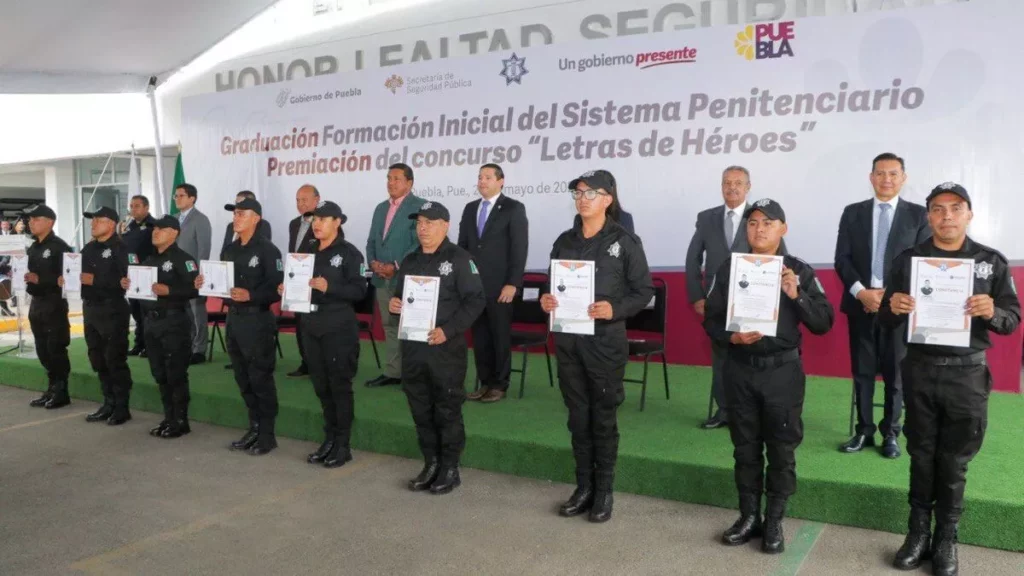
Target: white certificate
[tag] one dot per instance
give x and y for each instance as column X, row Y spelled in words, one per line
column 141, row 280
column 72, row 272
column 754, row 291
column 298, row 271
column 940, row 288
column 19, row 267
column 419, row 307
column 218, row 278
column 572, row 284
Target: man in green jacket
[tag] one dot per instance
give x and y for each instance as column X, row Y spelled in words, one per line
column 392, row 237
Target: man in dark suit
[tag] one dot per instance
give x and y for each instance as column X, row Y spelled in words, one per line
column 720, row 232
column 494, row 229
column 302, row 241
column 871, row 234
column 262, row 229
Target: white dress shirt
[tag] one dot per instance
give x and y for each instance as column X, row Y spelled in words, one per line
column 875, row 213
column 738, row 211
column 490, row 208
column 184, row 214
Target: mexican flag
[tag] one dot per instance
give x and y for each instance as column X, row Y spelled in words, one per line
column 179, row 179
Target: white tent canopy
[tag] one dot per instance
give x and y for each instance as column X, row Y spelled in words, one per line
column 109, row 46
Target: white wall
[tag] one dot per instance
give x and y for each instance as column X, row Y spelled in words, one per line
column 60, row 195
column 147, row 173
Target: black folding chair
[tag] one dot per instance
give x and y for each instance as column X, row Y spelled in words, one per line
column 526, row 311
column 366, row 308
column 651, row 319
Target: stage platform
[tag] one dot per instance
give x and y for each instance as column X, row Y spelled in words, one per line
column 662, row 451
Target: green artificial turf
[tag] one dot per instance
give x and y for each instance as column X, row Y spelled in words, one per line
column 662, row 451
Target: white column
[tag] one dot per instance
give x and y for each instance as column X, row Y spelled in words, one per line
column 62, row 197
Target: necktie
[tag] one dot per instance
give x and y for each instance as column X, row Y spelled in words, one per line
column 729, row 227
column 481, row 219
column 881, row 239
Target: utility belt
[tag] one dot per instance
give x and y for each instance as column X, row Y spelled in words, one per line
column 976, row 359
column 165, row 312
column 764, row 361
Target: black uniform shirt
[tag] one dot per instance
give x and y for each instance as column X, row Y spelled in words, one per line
column 991, row 276
column 461, row 295
column 138, row 239
column 341, row 265
column 621, row 275
column 811, row 308
column 108, row 263
column 176, row 269
column 258, row 269
column 46, row 259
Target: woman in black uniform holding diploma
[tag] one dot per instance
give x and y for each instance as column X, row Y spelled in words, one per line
column 330, row 332
column 591, row 368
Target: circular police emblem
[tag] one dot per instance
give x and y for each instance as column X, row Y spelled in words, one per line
column 614, row 250
column 757, row 262
column 943, row 267
column 167, row 266
column 143, row 227
column 254, row 262
column 983, row 270
column 445, row 268
column 46, row 253
column 336, row 260
column 427, row 206
column 107, row 253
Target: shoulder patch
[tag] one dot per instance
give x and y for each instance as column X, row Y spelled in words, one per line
column 133, row 258
column 472, row 267
column 280, row 265
column 818, row 284
column 190, row 266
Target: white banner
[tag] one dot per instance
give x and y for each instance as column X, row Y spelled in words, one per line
column 803, row 105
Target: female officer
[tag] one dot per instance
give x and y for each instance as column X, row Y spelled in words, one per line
column 330, row 333
column 591, row 368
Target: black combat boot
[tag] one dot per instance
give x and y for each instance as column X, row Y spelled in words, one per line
column 749, row 523
column 915, row 549
column 773, row 541
column 247, row 439
column 426, row 476
column 944, row 556
column 582, row 498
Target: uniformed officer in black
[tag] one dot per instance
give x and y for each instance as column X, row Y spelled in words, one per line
column 330, row 332
column 106, row 314
column 764, row 380
column 434, row 372
column 591, row 368
column 251, row 326
column 137, row 236
column 947, row 387
column 48, row 313
column 168, row 332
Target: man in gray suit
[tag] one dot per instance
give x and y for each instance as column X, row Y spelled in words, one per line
column 720, row 231
column 392, row 237
column 195, row 238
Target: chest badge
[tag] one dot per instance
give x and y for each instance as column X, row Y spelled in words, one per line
column 106, row 253
column 143, row 227
column 445, row 268
column 336, row 260
column 167, row 266
column 983, row 270
column 614, row 250
column 254, row 262
column 46, row 253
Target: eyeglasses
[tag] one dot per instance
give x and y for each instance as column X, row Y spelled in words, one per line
column 588, row 194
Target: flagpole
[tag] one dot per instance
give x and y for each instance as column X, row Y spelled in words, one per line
column 158, row 147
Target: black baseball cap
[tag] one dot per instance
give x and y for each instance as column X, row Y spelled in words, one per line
column 41, row 211
column 327, row 209
column 168, row 221
column 949, row 188
column 770, row 208
column 596, row 179
column 103, row 212
column 432, row 211
column 246, row 204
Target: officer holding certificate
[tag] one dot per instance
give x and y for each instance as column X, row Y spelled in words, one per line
column 591, row 367
column 764, row 380
column 947, row 387
column 330, row 332
column 251, row 326
column 434, row 371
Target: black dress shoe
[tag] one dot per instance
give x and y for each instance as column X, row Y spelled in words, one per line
column 136, row 351
column 716, row 421
column 173, row 429
column 118, row 418
column 426, row 476
column 197, row 358
column 582, row 500
column 383, row 380
column 447, row 480
column 298, row 372
column 263, row 446
column 103, row 413
column 321, row 453
column 42, row 400
column 915, row 548
column 159, row 428
column 338, row 457
column 890, row 447
column 857, row 443
column 58, row 400
column 248, row 439
column 602, row 509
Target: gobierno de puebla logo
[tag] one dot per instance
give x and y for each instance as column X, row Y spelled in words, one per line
column 767, row 40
